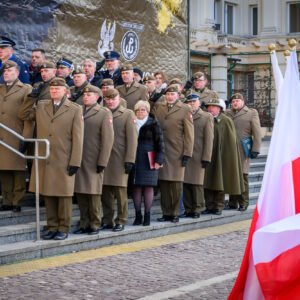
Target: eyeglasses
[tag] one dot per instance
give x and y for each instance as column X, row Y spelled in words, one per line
column 141, row 109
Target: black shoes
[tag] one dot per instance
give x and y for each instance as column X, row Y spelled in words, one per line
column 16, row 208
column 105, row 226
column 138, row 218
column 60, row 236
column 242, row 208
column 81, row 231
column 186, row 215
column 146, row 219
column 229, row 207
column 174, row 219
column 216, row 212
column 49, row 235
column 195, row 215
column 118, row 227
column 164, row 218
column 6, row 207
column 93, row 231
column 206, row 212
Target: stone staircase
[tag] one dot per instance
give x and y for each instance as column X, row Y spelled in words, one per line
column 18, row 231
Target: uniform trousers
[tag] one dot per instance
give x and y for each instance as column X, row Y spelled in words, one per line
column 214, row 200
column 90, row 207
column 13, row 186
column 109, row 194
column 59, row 213
column 243, row 199
column 193, row 198
column 170, row 192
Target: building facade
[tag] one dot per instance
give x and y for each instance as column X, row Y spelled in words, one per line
column 229, row 41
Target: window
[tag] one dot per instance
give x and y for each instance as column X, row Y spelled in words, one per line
column 253, row 20
column 229, row 18
column 294, row 17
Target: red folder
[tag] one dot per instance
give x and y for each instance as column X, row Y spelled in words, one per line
column 151, row 158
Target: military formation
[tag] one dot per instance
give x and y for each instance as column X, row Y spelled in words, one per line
column 115, row 133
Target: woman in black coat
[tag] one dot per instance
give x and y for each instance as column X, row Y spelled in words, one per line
column 150, row 151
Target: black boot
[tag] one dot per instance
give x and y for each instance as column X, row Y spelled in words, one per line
column 146, row 219
column 138, row 218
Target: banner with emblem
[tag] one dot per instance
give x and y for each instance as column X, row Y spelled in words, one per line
column 150, row 34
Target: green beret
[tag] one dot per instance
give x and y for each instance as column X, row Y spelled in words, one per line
column 148, row 78
column 198, row 75
column 172, row 88
column 175, row 81
column 58, row 81
column 237, row 96
column 92, row 89
column 48, row 65
column 10, row 64
column 107, row 81
column 112, row 93
column 78, row 71
column 127, row 67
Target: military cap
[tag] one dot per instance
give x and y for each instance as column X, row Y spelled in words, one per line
column 214, row 102
column 6, row 42
column 148, row 78
column 237, row 96
column 127, row 67
column 193, row 96
column 9, row 64
column 65, row 62
column 175, row 81
column 58, row 81
column 111, row 55
column 92, row 89
column 138, row 71
column 48, row 65
column 78, row 71
column 172, row 88
column 107, row 81
column 198, row 75
column 112, row 93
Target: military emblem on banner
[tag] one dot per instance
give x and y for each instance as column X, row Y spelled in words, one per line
column 130, row 45
column 107, row 35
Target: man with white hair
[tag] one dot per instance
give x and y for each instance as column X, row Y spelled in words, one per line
column 89, row 67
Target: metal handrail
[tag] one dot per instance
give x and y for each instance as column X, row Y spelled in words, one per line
column 36, row 158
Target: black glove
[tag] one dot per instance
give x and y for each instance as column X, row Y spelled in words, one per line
column 36, row 91
column 72, row 170
column 128, row 167
column 23, row 146
column 184, row 160
column 254, row 154
column 100, row 169
column 204, row 163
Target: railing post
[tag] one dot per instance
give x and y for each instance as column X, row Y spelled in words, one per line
column 37, row 190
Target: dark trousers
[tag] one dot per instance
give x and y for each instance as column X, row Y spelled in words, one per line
column 243, row 199
column 13, row 186
column 214, row 200
column 90, row 207
column 59, row 213
column 193, row 198
column 170, row 192
column 109, row 194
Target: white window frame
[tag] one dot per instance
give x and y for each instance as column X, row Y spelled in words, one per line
column 288, row 17
column 233, row 17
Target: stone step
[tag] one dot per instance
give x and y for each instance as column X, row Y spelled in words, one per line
column 260, row 158
column 13, row 252
column 22, row 232
column 257, row 166
column 256, row 176
column 254, row 187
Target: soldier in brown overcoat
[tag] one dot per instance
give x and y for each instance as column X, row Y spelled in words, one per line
column 60, row 121
column 80, row 82
column 176, row 122
column 224, row 173
column 12, row 167
column 97, row 145
column 131, row 90
column 247, row 124
column 193, row 192
column 120, row 163
column 108, row 84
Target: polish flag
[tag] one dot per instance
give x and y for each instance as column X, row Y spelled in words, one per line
column 271, row 265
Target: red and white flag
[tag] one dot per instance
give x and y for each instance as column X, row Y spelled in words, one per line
column 271, row 265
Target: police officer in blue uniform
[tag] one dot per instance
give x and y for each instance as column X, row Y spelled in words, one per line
column 7, row 53
column 64, row 69
column 112, row 63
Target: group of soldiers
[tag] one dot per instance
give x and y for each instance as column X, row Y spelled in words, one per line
column 87, row 116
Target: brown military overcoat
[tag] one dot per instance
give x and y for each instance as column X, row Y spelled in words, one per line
column 64, row 130
column 132, row 95
column 45, row 91
column 178, row 132
column 124, row 147
column 10, row 103
column 206, row 94
column 203, row 143
column 246, row 122
column 98, row 141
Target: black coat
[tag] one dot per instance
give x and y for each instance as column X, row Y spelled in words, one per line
column 150, row 139
column 116, row 77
